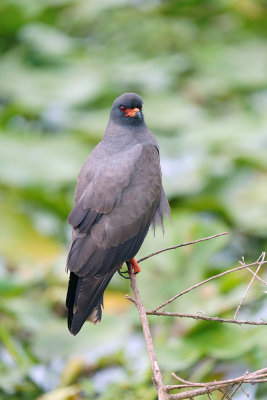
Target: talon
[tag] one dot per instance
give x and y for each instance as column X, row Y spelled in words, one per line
column 135, row 266
column 123, row 273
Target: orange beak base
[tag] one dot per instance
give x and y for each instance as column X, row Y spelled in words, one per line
column 130, row 112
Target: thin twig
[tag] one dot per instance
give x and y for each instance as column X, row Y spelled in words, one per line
column 191, row 394
column 256, row 276
column 209, row 387
column 181, row 245
column 204, row 317
column 225, row 395
column 242, row 262
column 205, row 281
column 248, row 376
column 245, row 393
column 262, row 257
column 215, row 385
column 235, row 390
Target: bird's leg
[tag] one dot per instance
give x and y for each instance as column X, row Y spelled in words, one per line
column 135, row 266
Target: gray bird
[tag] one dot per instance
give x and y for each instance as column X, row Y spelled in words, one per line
column 119, row 194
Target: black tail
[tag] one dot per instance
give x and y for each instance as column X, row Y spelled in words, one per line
column 85, row 299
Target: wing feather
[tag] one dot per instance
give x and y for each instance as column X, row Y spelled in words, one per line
column 115, row 208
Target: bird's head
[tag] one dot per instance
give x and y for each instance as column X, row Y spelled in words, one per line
column 127, row 110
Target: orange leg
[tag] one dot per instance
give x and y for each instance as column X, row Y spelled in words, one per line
column 135, row 266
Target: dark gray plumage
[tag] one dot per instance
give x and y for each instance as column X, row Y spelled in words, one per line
column 118, row 195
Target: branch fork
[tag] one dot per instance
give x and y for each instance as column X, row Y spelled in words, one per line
column 199, row 388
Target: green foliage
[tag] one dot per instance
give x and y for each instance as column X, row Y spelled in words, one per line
column 200, row 67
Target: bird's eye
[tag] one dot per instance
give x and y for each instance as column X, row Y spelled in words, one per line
column 122, row 108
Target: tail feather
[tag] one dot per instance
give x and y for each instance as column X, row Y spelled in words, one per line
column 96, row 314
column 73, row 281
column 85, row 299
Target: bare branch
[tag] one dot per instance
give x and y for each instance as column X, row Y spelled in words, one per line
column 235, row 390
column 204, row 317
column 209, row 387
column 205, row 281
column 157, row 377
column 190, row 394
column 182, row 245
column 198, row 388
column 248, row 376
column 242, row 262
column 256, row 276
column 262, row 257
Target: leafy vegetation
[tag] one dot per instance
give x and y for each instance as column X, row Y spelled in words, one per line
column 200, row 67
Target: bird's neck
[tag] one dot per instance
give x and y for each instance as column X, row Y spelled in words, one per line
column 118, row 130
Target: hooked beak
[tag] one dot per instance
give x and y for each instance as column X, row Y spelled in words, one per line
column 131, row 112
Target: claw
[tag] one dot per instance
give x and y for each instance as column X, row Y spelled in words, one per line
column 131, row 264
column 135, row 266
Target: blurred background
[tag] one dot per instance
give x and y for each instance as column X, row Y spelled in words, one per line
column 201, row 68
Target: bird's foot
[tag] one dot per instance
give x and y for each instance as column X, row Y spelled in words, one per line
column 123, row 273
column 131, row 264
column 135, row 267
